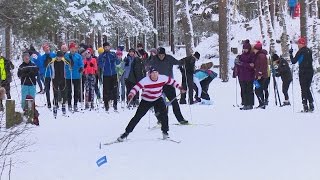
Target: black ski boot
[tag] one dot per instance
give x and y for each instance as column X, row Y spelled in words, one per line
column 311, row 107
column 63, row 107
column 55, row 111
column 286, row 103
column 305, row 108
column 123, row 137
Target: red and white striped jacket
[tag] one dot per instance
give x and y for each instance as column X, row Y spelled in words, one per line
column 152, row 90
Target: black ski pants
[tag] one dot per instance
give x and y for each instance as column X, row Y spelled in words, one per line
column 110, row 88
column 285, row 88
column 59, row 86
column 47, row 82
column 247, row 93
column 260, row 91
column 305, row 79
column 76, row 93
column 170, row 93
column 266, row 89
column 143, row 108
column 187, row 84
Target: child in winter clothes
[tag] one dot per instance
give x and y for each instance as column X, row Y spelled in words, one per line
column 59, row 81
column 90, row 71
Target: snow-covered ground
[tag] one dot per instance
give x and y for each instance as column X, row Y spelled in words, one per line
column 223, row 143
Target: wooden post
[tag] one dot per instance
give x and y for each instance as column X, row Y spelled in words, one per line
column 12, row 117
column 29, row 110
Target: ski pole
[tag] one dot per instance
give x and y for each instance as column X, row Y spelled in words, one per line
column 158, row 113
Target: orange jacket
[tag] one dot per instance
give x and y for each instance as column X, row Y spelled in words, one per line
column 90, row 66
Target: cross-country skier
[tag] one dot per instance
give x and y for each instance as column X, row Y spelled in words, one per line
column 107, row 62
column 304, row 59
column 5, row 77
column 74, row 69
column 59, row 81
column 90, row 71
column 283, row 70
column 152, row 86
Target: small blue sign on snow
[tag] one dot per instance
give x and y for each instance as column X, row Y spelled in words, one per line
column 101, row 161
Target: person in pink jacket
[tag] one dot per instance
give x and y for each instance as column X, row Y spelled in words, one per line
column 90, row 71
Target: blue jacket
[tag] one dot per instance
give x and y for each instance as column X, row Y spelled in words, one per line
column 107, row 62
column 76, row 63
column 201, row 75
column 42, row 62
column 292, row 3
column 127, row 66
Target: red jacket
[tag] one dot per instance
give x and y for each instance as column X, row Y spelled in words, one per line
column 90, row 66
column 261, row 64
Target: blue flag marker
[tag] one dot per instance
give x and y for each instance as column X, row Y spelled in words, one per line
column 101, row 161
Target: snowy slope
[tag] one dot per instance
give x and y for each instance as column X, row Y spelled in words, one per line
column 224, row 143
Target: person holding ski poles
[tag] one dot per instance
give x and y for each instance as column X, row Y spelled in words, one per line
column 304, row 58
column 90, row 71
column 152, row 86
column 283, row 70
column 107, row 62
column 46, row 70
column 59, row 82
column 73, row 71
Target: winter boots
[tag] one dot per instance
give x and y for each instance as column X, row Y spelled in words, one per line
column 123, row 137
column 286, row 103
column 311, row 107
column 248, row 107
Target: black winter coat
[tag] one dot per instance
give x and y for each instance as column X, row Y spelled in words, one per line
column 27, row 73
column 304, row 58
column 188, row 65
column 137, row 71
column 284, row 70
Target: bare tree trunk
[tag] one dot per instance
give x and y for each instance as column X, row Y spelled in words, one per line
column 315, row 36
column 303, row 18
column 171, row 25
column 223, row 39
column 187, row 26
column 99, row 39
column 284, row 37
column 263, row 34
column 269, row 26
column 155, row 24
column 8, row 42
column 272, row 8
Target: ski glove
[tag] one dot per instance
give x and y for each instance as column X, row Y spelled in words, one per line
column 291, row 51
column 85, row 65
column 182, row 90
column 81, row 70
column 91, row 64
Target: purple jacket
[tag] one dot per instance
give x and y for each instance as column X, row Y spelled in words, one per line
column 245, row 71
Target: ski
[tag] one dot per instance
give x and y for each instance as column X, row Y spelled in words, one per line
column 192, row 124
column 114, row 142
column 171, row 140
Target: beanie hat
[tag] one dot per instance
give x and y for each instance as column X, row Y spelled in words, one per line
column 246, row 44
column 72, row 45
column 197, row 55
column 90, row 50
column 275, row 57
column 100, row 50
column 60, row 54
column 152, row 68
column 161, row 50
column 106, row 44
column 302, row 41
column 258, row 46
column 81, row 50
column 153, row 50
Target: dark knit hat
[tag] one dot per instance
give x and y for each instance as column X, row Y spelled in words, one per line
column 153, row 50
column 152, row 68
column 246, row 44
column 106, row 44
column 161, row 50
column 81, row 50
column 60, row 54
column 275, row 57
column 197, row 55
